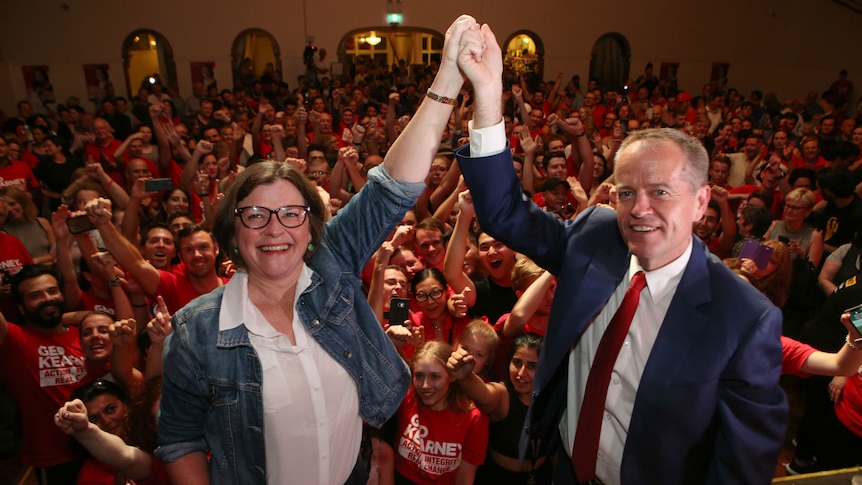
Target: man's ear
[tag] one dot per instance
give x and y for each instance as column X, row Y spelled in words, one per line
column 702, row 202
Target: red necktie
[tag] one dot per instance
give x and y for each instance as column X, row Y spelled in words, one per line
column 586, row 446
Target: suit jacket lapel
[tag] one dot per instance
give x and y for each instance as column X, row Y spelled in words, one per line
column 576, row 305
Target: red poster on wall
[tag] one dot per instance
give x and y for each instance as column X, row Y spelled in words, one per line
column 668, row 78
column 98, row 81
column 719, row 75
column 38, row 83
column 204, row 72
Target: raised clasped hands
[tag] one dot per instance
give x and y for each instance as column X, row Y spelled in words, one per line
column 480, row 58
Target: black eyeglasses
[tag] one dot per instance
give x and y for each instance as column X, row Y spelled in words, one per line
column 256, row 217
column 435, row 295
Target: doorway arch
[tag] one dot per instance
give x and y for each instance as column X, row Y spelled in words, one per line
column 611, row 60
column 254, row 52
column 524, row 55
column 147, row 52
column 408, row 48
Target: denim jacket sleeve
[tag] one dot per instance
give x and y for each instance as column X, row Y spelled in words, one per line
column 358, row 230
column 187, row 395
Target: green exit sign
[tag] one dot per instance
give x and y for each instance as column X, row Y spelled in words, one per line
column 393, row 18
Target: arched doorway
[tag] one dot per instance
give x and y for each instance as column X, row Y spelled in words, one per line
column 611, row 60
column 254, row 55
column 524, row 56
column 145, row 53
column 407, row 50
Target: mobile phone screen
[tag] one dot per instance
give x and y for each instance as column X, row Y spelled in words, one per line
column 856, row 317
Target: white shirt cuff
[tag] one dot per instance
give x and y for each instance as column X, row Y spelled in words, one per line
column 487, row 141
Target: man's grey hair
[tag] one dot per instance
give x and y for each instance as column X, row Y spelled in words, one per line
column 696, row 167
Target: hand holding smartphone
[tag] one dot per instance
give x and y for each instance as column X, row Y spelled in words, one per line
column 855, row 317
column 79, row 224
column 399, row 310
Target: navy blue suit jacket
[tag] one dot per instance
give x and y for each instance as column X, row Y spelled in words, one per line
column 708, row 407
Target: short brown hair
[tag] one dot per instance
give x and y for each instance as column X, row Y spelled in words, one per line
column 265, row 173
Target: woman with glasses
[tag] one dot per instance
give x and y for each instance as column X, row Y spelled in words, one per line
column 805, row 244
column 804, row 241
column 438, row 306
column 273, row 373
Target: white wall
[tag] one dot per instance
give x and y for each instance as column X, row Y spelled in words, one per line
column 783, row 46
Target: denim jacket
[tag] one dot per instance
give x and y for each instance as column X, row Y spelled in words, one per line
column 212, row 388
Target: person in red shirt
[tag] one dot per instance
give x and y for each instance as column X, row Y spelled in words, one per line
column 194, row 277
column 41, row 363
column 13, row 258
column 14, row 173
column 811, row 157
column 98, row 418
column 442, row 437
column 101, row 150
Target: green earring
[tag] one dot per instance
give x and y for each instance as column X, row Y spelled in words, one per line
column 236, row 251
column 311, row 247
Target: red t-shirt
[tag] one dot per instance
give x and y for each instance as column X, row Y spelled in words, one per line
column 849, row 406
column 105, row 156
column 95, row 472
column 452, row 328
column 19, row 175
column 793, row 355
column 13, row 257
column 714, row 246
column 432, row 444
column 539, row 199
column 176, row 289
column 13, row 254
column 599, row 112
column 819, row 165
column 41, row 370
column 94, row 303
column 31, row 160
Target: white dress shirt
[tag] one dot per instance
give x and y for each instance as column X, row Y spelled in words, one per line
column 311, row 419
column 628, row 369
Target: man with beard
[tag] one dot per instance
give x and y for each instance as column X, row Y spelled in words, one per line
column 41, row 363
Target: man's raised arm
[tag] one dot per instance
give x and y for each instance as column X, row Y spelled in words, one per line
column 124, row 251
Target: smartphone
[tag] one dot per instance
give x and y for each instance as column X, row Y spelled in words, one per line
column 855, row 316
column 158, row 185
column 398, row 310
column 79, row 224
column 759, row 253
column 784, row 239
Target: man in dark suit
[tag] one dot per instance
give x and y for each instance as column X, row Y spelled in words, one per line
column 693, row 395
